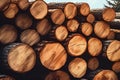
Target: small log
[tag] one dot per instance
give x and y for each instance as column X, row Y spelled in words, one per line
column 94, row 46
column 23, row 4
column 113, row 51
column 43, row 27
column 84, row 9
column 90, row 18
column 4, row 4
column 86, row 28
column 106, row 75
column 76, row 45
column 111, row 35
column 116, row 67
column 30, row 36
column 60, row 33
column 23, row 21
column 53, row 56
column 70, row 10
column 77, row 67
column 72, row 25
column 8, row 34
column 57, row 75
column 93, row 63
column 18, row 57
column 39, row 9
column 11, row 11
column 6, row 77
column 101, row 29
column 57, row 16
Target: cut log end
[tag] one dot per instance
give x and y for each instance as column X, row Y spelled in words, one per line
column 30, row 37
column 90, row 18
column 116, row 67
column 111, row 35
column 4, row 4
column 113, row 51
column 87, row 29
column 57, row 75
column 84, row 9
column 108, row 14
column 77, row 45
column 77, row 67
column 21, row 58
column 43, row 27
column 102, row 29
column 8, row 34
column 93, row 63
column 70, row 10
column 94, row 46
column 58, row 17
column 6, row 77
column 23, row 4
column 72, row 25
column 106, row 75
column 39, row 9
column 61, row 33
column 53, row 56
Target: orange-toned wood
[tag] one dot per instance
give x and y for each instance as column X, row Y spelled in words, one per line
column 57, row 75
column 23, row 21
column 90, row 18
column 84, row 9
column 101, row 29
column 76, row 45
column 53, row 56
column 106, row 75
column 72, row 25
column 43, row 27
column 8, row 34
column 111, row 35
column 86, row 28
column 77, row 67
column 30, row 36
column 39, row 9
column 70, row 10
column 4, row 4
column 116, row 67
column 94, row 46
column 57, row 16
column 113, row 51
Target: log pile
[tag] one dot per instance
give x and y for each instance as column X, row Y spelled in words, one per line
column 58, row 41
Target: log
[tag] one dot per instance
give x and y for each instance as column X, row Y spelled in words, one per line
column 90, row 18
column 111, row 35
column 23, row 21
column 43, row 27
column 57, row 75
column 113, row 51
column 6, row 77
column 18, row 57
column 39, row 9
column 106, row 75
column 70, row 10
column 59, row 33
column 84, row 9
column 23, row 4
column 4, row 4
column 30, row 36
column 94, row 46
column 53, row 55
column 93, row 63
column 57, row 16
column 101, row 29
column 8, row 34
column 77, row 67
column 11, row 11
column 76, row 45
column 72, row 25
column 116, row 67
column 86, row 28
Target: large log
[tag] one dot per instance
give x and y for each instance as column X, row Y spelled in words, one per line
column 53, row 55
column 4, row 4
column 18, row 57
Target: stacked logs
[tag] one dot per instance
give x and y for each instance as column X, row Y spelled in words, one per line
column 70, row 41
